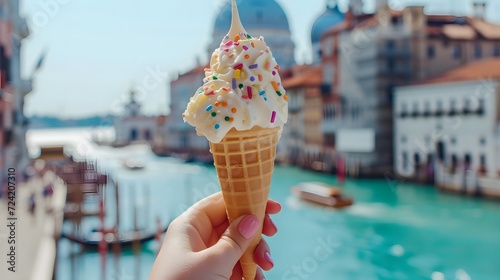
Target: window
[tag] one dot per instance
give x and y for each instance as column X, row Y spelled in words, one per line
column 478, row 52
column 431, row 52
column 404, row 111
column 133, row 134
column 427, row 109
column 404, row 161
column 496, row 50
column 467, row 107
column 480, row 109
column 453, row 110
column 457, row 52
column 416, row 110
column 439, row 109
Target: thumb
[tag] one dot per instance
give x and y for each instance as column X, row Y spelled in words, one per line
column 236, row 239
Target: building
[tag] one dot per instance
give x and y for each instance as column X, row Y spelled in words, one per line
column 134, row 127
column 302, row 141
column 13, row 89
column 260, row 18
column 447, row 128
column 182, row 138
column 368, row 55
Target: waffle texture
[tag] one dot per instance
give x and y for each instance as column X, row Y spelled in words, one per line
column 244, row 161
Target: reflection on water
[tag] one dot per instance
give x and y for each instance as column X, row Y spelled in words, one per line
column 392, row 232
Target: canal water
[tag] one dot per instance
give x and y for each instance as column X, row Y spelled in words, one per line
column 396, row 230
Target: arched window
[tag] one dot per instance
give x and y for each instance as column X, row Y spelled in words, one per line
column 133, row 134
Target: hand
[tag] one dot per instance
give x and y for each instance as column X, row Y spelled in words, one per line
column 201, row 244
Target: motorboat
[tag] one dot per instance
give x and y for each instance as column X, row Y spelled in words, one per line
column 322, row 193
column 133, row 164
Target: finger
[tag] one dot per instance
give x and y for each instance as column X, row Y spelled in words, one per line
column 273, row 207
column 211, row 208
column 269, row 228
column 259, row 275
column 262, row 256
column 237, row 272
column 234, row 241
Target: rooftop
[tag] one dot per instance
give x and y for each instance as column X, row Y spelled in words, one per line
column 310, row 76
column 483, row 69
column 448, row 26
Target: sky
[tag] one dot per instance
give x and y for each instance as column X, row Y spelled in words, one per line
column 96, row 51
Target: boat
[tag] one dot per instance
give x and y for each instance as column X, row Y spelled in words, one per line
column 133, row 164
column 322, row 193
column 128, row 238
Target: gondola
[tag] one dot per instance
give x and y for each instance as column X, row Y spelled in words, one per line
column 92, row 239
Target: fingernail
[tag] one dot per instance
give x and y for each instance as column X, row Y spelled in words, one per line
column 267, row 256
column 248, row 226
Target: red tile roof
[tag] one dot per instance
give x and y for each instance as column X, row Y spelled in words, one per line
column 484, row 69
column 311, row 77
column 450, row 26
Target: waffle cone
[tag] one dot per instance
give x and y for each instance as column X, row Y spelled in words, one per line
column 244, row 161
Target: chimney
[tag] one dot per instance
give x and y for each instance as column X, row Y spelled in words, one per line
column 415, row 20
column 383, row 13
column 479, row 9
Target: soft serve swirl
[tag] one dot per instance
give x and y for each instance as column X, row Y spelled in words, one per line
column 242, row 88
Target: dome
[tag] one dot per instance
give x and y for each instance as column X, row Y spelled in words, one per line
column 331, row 17
column 254, row 14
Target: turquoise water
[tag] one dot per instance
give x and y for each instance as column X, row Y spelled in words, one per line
column 403, row 231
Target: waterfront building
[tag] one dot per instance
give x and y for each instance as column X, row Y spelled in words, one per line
column 182, row 138
column 368, row 55
column 135, row 127
column 448, row 128
column 13, row 89
column 302, row 140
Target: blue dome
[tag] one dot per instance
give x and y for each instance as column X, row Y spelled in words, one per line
column 331, row 17
column 254, row 14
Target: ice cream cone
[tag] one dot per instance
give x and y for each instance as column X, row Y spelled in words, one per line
column 244, row 161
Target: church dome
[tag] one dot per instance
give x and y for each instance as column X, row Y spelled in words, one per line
column 331, row 17
column 260, row 18
column 254, row 14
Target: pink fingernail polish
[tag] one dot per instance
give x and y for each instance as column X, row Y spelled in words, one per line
column 267, row 256
column 248, row 226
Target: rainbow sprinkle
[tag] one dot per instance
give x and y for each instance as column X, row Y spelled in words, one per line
column 239, row 66
column 214, row 114
column 262, row 93
column 217, row 126
column 253, row 66
column 234, row 83
column 237, row 73
column 250, row 93
column 245, row 48
column 275, row 85
column 273, row 117
column 209, row 108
